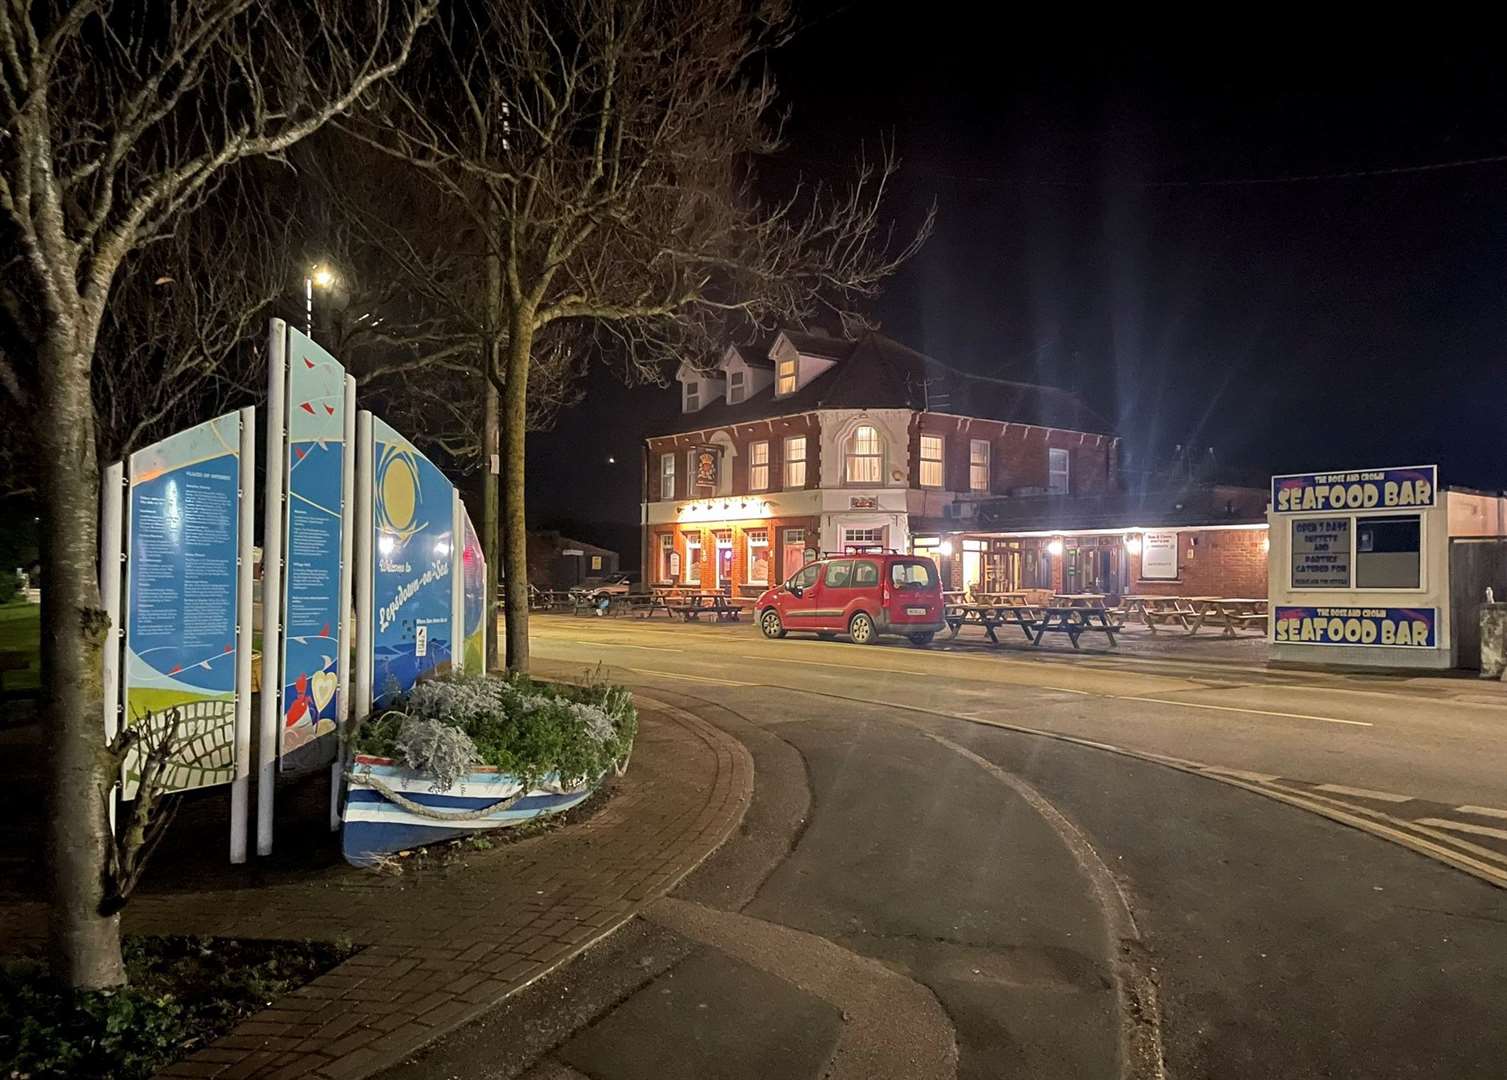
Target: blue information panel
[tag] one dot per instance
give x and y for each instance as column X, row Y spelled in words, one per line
column 1406, row 628
column 1366, row 489
column 412, row 507
column 312, row 547
column 181, row 600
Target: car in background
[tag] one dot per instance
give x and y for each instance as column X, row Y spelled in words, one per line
column 863, row 596
column 600, row 593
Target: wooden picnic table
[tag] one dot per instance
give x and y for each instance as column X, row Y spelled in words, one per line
column 1074, row 620
column 1087, row 599
column 990, row 617
column 1231, row 613
column 1010, row 596
column 694, row 605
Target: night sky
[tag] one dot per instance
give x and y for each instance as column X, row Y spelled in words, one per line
column 1119, row 217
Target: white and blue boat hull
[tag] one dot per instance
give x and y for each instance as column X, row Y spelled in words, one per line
column 373, row 825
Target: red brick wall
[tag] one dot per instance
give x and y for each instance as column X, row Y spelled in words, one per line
column 1225, row 562
column 772, row 431
column 1017, row 454
column 708, row 529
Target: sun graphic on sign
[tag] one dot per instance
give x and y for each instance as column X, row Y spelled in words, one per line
column 398, row 493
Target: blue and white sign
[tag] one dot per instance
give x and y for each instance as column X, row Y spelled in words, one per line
column 183, row 547
column 414, row 550
column 1367, row 489
column 1386, row 627
column 312, row 544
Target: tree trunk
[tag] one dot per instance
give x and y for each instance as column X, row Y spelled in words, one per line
column 514, row 528
column 489, row 523
column 84, row 946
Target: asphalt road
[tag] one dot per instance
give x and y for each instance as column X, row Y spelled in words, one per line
column 983, row 863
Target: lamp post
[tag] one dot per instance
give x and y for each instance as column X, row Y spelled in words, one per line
column 319, row 275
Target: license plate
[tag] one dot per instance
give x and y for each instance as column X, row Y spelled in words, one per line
column 915, row 611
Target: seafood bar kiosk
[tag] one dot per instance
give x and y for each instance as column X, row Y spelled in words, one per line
column 1359, row 571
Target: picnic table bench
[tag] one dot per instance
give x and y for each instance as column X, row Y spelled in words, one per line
column 1075, row 620
column 990, row 617
column 1232, row 614
column 698, row 604
column 1034, row 620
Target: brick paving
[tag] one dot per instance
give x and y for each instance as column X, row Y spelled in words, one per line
column 445, row 944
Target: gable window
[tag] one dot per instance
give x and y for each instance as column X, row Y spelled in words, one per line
column 692, row 396
column 1058, row 480
column 758, row 466
column 786, row 383
column 865, row 456
column 932, row 448
column 978, row 465
column 734, row 387
column 795, row 461
column 666, row 476
column 758, row 556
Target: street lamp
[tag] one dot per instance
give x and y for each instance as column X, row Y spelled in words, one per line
column 319, row 275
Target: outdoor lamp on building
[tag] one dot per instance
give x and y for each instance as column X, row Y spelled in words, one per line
column 1132, row 545
column 945, row 547
column 1054, row 546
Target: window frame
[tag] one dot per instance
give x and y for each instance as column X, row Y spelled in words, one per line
column 851, row 455
column 780, row 389
column 691, row 396
column 1066, row 471
column 693, row 540
column 1354, row 518
column 739, row 387
column 667, row 474
column 790, row 462
column 754, row 482
column 940, row 461
column 751, row 541
column 845, row 583
column 974, row 463
column 666, row 549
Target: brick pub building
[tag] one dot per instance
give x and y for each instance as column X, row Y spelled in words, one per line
column 814, row 444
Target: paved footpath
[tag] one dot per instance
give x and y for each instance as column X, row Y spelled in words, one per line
column 442, row 946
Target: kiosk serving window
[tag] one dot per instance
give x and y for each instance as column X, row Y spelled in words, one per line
column 1348, row 551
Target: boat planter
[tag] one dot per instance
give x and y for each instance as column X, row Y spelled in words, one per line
column 390, row 807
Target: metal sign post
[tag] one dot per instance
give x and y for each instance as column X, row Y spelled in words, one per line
column 272, row 564
column 240, row 787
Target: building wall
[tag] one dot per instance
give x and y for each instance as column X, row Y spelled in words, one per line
column 1018, row 455
column 1213, row 562
column 777, row 528
column 735, row 439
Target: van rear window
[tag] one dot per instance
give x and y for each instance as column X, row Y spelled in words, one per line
column 913, row 575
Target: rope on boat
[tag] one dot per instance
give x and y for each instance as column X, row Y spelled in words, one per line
column 430, row 812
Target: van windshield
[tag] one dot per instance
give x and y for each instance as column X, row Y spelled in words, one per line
column 913, row 575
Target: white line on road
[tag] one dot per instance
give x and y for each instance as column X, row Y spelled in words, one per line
column 1482, row 811
column 1463, row 826
column 620, row 645
column 688, row 678
column 1069, row 690
column 1364, row 793
column 1233, row 708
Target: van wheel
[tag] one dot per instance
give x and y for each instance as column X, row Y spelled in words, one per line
column 770, row 624
column 922, row 639
column 861, row 630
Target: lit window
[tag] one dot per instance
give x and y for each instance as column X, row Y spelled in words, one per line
column 693, row 559
column 1058, row 481
column 787, row 376
column 692, row 396
column 864, row 456
column 667, row 476
column 978, row 465
column 795, row 461
column 758, row 466
column 758, row 556
column 666, row 557
column 863, row 538
column 734, row 387
column 932, row 449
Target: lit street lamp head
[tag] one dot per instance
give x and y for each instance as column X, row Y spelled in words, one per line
column 323, row 277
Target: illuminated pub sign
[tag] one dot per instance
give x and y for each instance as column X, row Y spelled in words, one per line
column 1373, row 489
column 705, row 461
column 1405, row 628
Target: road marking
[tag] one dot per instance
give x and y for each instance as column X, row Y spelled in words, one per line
column 1233, row 708
column 1464, row 826
column 619, row 645
column 1241, row 774
column 1069, row 690
column 1482, row 811
column 688, row 678
column 1363, row 793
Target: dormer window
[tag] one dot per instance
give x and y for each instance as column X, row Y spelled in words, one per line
column 786, row 383
column 734, row 387
column 692, row 396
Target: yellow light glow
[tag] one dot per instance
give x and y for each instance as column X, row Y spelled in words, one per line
column 323, row 277
column 1133, row 545
column 1054, row 546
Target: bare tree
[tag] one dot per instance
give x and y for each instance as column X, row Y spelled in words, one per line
column 605, row 151
column 115, row 118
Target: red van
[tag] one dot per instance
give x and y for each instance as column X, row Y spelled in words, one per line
column 863, row 596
